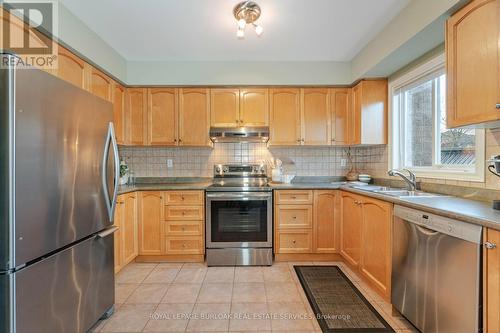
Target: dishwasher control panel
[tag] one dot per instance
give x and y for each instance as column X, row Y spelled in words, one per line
column 451, row 227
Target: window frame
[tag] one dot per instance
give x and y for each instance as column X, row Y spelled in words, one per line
column 404, row 82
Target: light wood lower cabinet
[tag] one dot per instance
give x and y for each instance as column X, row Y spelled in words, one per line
column 184, row 223
column 305, row 222
column 350, row 228
column 366, row 231
column 150, row 223
column 126, row 241
column 491, row 283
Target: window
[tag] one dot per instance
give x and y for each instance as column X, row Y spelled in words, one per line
column 420, row 140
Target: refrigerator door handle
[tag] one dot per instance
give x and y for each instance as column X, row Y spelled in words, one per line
column 117, row 171
column 110, row 141
column 107, row 232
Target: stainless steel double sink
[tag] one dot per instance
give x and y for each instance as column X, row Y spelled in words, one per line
column 395, row 192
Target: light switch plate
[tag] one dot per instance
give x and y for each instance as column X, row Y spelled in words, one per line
column 170, row 163
column 343, row 162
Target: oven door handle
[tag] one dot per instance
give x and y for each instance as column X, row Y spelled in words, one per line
column 241, row 195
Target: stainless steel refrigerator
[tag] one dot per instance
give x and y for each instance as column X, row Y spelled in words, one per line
column 58, row 179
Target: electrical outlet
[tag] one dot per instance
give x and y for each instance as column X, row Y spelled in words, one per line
column 170, row 163
column 343, row 162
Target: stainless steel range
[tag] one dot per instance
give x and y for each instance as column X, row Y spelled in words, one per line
column 239, row 216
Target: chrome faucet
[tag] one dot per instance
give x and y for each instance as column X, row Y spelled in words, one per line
column 411, row 180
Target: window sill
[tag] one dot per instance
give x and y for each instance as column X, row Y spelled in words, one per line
column 449, row 175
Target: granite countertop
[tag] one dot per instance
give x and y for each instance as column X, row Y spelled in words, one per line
column 476, row 212
column 166, row 184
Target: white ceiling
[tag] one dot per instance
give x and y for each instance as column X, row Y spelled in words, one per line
column 204, row 30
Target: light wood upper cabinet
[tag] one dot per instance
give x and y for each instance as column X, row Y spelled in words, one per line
column 285, row 117
column 350, row 228
column 340, row 106
column 136, row 103
column 254, row 107
column 129, row 226
column 491, row 282
column 150, row 223
column 376, row 239
column 225, row 107
column 315, row 116
column 162, row 116
column 119, row 113
column 71, row 68
column 324, row 225
column 368, row 117
column 100, row 84
column 194, row 117
column 473, row 69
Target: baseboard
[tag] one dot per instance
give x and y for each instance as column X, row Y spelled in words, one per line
column 172, row 258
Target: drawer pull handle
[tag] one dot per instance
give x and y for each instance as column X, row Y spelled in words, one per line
column 294, row 197
column 294, row 217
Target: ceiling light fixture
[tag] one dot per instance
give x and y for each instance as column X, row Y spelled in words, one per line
column 247, row 12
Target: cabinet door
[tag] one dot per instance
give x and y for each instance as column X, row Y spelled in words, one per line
column 285, row 117
column 254, row 107
column 194, row 117
column 129, row 233
column 339, row 103
column 150, row 223
column 225, row 107
column 118, row 235
column 71, row 68
column 350, row 228
column 119, row 113
column 100, row 84
column 354, row 118
column 376, row 240
column 162, row 116
column 472, row 64
column 315, row 115
column 136, row 115
column 491, row 273
column 324, row 224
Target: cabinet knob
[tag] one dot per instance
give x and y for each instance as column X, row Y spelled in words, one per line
column 294, row 241
column 183, row 229
column 497, row 106
column 180, row 140
column 294, row 217
column 241, row 121
column 183, row 213
column 237, row 121
column 184, row 245
column 182, row 197
column 333, row 140
column 303, row 140
column 490, row 246
column 294, row 197
column 298, row 140
column 175, row 140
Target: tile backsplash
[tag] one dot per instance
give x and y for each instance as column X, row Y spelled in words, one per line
column 198, row 162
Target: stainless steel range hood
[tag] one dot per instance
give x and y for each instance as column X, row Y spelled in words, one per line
column 239, row 134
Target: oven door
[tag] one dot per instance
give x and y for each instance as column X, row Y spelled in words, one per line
column 239, row 219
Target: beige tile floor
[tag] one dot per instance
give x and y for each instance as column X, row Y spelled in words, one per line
column 188, row 297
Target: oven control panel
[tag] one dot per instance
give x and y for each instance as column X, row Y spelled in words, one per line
column 240, row 170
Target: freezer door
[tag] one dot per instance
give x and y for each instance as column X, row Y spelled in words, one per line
column 67, row 292
column 65, row 164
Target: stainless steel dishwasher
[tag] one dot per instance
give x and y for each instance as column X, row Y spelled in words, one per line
column 436, row 276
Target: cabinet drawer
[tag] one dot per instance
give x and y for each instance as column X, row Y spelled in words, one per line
column 294, row 241
column 184, row 228
column 184, row 213
column 294, row 197
column 294, row 216
column 184, row 198
column 184, row 245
